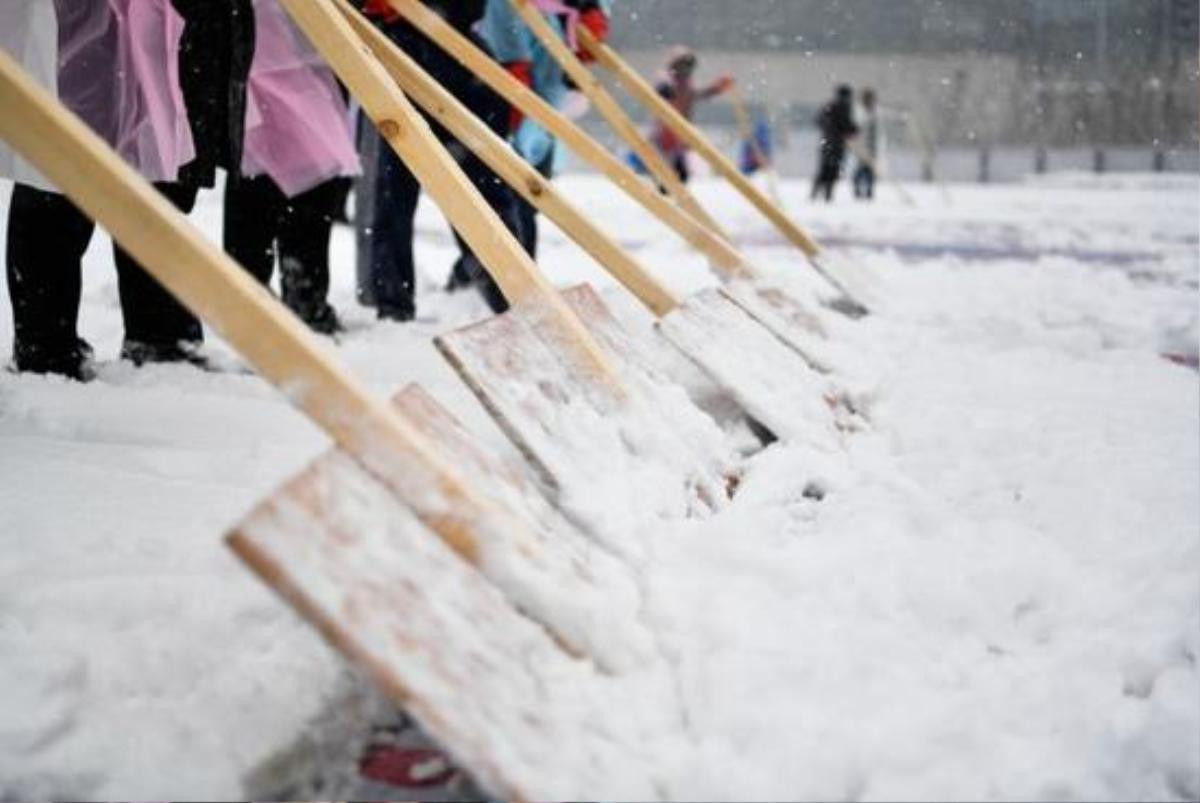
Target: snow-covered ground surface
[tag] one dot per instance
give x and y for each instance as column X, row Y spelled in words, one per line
column 998, row 596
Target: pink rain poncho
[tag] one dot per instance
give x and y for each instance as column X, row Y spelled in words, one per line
column 118, row 69
column 298, row 129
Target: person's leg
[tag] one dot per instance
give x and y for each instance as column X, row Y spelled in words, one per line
column 254, row 209
column 157, row 327
column 818, row 185
column 369, row 144
column 505, row 203
column 47, row 236
column 870, row 183
column 304, row 254
column 393, row 276
column 681, row 167
column 526, row 214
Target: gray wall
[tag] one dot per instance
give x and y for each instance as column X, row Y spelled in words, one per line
column 1052, row 73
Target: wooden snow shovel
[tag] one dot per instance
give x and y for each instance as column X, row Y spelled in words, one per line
column 723, row 256
column 775, row 301
column 410, row 136
column 794, row 382
column 530, row 329
column 839, row 274
column 378, row 448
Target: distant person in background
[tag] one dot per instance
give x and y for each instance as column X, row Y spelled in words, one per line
column 518, row 49
column 835, row 122
column 869, row 143
column 676, row 86
column 299, row 149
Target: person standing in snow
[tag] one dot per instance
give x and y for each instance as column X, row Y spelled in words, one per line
column 869, row 144
column 386, row 227
column 154, row 79
column 214, row 56
column 298, row 151
column 518, row 49
column 835, row 123
column 676, row 87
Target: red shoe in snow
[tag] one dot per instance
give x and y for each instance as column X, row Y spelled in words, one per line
column 410, row 767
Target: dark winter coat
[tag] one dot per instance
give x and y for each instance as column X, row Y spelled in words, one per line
column 215, row 54
column 836, row 124
column 442, row 67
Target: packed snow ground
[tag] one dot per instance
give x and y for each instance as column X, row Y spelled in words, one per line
column 997, row 597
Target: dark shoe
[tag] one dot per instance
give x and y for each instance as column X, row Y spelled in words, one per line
column 182, row 351
column 460, row 277
column 325, row 322
column 399, row 315
column 74, row 363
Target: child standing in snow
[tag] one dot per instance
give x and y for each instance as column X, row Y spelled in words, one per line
column 676, row 86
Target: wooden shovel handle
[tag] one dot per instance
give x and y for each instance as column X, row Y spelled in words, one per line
column 515, row 171
column 716, row 248
column 644, row 94
column 612, row 112
column 440, row 176
column 209, row 283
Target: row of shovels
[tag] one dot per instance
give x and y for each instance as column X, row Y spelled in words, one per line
column 500, row 599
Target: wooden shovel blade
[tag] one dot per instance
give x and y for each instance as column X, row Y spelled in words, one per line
column 577, row 438
column 335, row 500
column 488, row 684
column 771, row 381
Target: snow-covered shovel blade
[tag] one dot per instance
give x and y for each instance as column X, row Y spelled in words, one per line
column 492, row 687
column 771, row 381
column 333, row 496
column 585, row 445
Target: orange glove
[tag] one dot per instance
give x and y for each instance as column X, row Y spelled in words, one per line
column 596, row 21
column 722, row 85
column 523, row 72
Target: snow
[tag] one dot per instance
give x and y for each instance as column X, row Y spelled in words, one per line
column 990, row 591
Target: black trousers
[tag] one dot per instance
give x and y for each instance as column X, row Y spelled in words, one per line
column 47, row 237
column 261, row 223
column 396, row 191
column 829, row 170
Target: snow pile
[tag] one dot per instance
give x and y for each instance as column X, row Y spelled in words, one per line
column 988, row 593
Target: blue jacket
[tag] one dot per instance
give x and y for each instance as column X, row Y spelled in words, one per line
column 511, row 40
